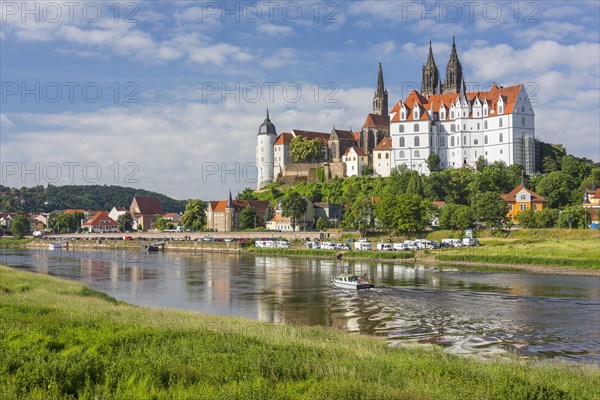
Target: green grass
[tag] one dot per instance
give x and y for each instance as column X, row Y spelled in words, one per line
column 530, row 250
column 351, row 254
column 10, row 242
column 60, row 340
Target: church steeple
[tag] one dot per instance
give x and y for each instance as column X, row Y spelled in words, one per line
column 380, row 100
column 431, row 75
column 454, row 74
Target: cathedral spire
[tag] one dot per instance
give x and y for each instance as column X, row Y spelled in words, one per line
column 380, row 100
column 431, row 75
column 230, row 200
column 454, row 74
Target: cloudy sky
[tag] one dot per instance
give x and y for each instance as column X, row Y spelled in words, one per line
column 168, row 96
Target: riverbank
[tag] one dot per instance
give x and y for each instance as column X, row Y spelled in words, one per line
column 59, row 339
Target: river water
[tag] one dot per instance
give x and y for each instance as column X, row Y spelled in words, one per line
column 467, row 312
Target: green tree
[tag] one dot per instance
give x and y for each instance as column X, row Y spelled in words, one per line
column 125, row 222
column 293, row 206
column 161, row 224
column 410, row 213
column 527, row 219
column 194, row 216
column 459, row 186
column 547, row 218
column 322, row 223
column 551, row 155
column 436, row 185
column 481, row 164
column 385, row 211
column 415, row 185
column 269, row 214
column 20, row 226
column 248, row 218
column 360, row 215
column 491, row 209
column 557, row 187
column 456, row 217
column 574, row 217
column 367, row 170
column 306, row 150
column 247, row 194
column 67, row 222
column 433, row 162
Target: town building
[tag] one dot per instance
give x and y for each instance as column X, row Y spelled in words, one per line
column 145, row 211
column 522, row 199
column 281, row 223
column 355, row 160
column 382, row 158
column 116, row 212
column 101, row 223
column 459, row 126
column 224, row 215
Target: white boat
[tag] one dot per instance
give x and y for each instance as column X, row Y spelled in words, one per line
column 54, row 246
column 348, row 281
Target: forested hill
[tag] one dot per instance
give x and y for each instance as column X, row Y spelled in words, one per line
column 92, row 197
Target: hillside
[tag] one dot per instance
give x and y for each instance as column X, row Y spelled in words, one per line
column 94, row 197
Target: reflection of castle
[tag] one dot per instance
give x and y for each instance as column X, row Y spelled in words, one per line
column 341, row 148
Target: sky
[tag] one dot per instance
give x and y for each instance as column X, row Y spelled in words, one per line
column 168, row 96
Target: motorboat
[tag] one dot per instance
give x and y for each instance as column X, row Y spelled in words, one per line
column 349, row 281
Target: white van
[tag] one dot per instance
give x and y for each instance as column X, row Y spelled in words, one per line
column 328, row 245
column 470, row 242
column 384, row 247
column 362, row 244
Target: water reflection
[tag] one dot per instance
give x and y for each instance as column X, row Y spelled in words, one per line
column 466, row 312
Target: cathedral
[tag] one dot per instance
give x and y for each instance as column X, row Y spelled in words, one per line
column 442, row 118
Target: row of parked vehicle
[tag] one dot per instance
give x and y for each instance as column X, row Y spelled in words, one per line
column 272, row 243
column 328, row 245
column 466, row 242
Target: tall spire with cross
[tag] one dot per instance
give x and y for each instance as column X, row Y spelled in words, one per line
column 431, row 75
column 380, row 100
column 454, row 74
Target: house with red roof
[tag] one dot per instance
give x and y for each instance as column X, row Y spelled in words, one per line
column 101, row 223
column 355, row 160
column 224, row 215
column 521, row 199
column 382, row 157
column 145, row 211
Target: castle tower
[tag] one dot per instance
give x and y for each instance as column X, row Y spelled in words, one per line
column 454, row 74
column 229, row 211
column 265, row 158
column 431, row 75
column 380, row 100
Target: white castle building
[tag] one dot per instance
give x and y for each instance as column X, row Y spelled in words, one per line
column 460, row 126
column 445, row 119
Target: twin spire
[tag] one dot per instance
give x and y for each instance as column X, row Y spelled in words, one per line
column 431, row 82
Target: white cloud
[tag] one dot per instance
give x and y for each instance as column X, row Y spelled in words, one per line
column 384, row 47
column 274, row 30
column 5, row 123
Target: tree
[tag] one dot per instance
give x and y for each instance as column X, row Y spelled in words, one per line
column 67, row 222
column 456, row 217
column 575, row 217
column 293, row 206
column 125, row 222
column 415, row 185
column 385, row 211
column 247, row 194
column 194, row 216
column 433, row 162
column 367, row 170
column 20, row 226
column 557, row 187
column 306, row 150
column 248, row 218
column 410, row 213
column 459, row 186
column 359, row 215
column 322, row 223
column 491, row 209
column 527, row 219
column 481, row 164
column 547, row 218
column 161, row 224
column 269, row 214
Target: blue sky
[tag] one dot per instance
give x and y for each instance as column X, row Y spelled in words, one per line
column 168, row 96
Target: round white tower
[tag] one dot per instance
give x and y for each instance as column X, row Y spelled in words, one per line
column 265, row 158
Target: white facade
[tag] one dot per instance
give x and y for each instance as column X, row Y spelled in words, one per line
column 382, row 158
column 355, row 159
column 265, row 158
column 115, row 213
column 498, row 124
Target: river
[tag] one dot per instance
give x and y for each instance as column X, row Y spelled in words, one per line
column 468, row 312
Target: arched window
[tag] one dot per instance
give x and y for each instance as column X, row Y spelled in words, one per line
column 442, row 142
column 379, row 156
column 417, row 154
column 475, row 141
column 452, row 128
column 522, row 121
column 452, row 114
column 452, row 141
column 401, row 154
column 417, row 141
column 501, row 137
column 522, row 108
column 500, row 122
column 478, row 126
column 401, row 128
column 387, row 156
column 401, row 142
column 464, row 140
column 485, row 139
column 500, row 109
column 416, row 128
column 485, row 125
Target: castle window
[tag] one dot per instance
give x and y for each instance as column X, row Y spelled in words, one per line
column 402, row 115
column 416, row 129
column 401, row 129
column 452, row 114
column 442, row 142
column 417, row 141
column 475, row 153
column 379, row 156
column 485, row 125
column 500, row 137
column 416, row 115
column 475, row 141
column 500, row 122
column 452, row 128
column 417, row 154
column 452, row 141
column 464, row 140
column 522, row 108
column 522, row 121
column 387, row 156
column 401, row 144
column 485, row 139
column 500, row 109
column 478, row 126
column 401, row 154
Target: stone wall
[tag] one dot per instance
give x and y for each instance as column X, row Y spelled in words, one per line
column 307, row 172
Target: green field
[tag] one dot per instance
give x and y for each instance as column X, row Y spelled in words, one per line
column 59, row 339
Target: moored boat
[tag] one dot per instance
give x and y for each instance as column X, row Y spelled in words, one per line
column 349, row 281
column 54, row 246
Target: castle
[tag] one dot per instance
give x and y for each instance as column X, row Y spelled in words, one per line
column 443, row 118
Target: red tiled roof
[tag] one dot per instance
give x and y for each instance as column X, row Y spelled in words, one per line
column 358, row 151
column 384, row 144
column 511, row 196
column 148, row 205
column 344, row 135
column 284, row 138
column 356, row 136
column 72, row 211
column 439, row 204
column 101, row 219
column 376, row 121
column 259, row 205
column 311, row 135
